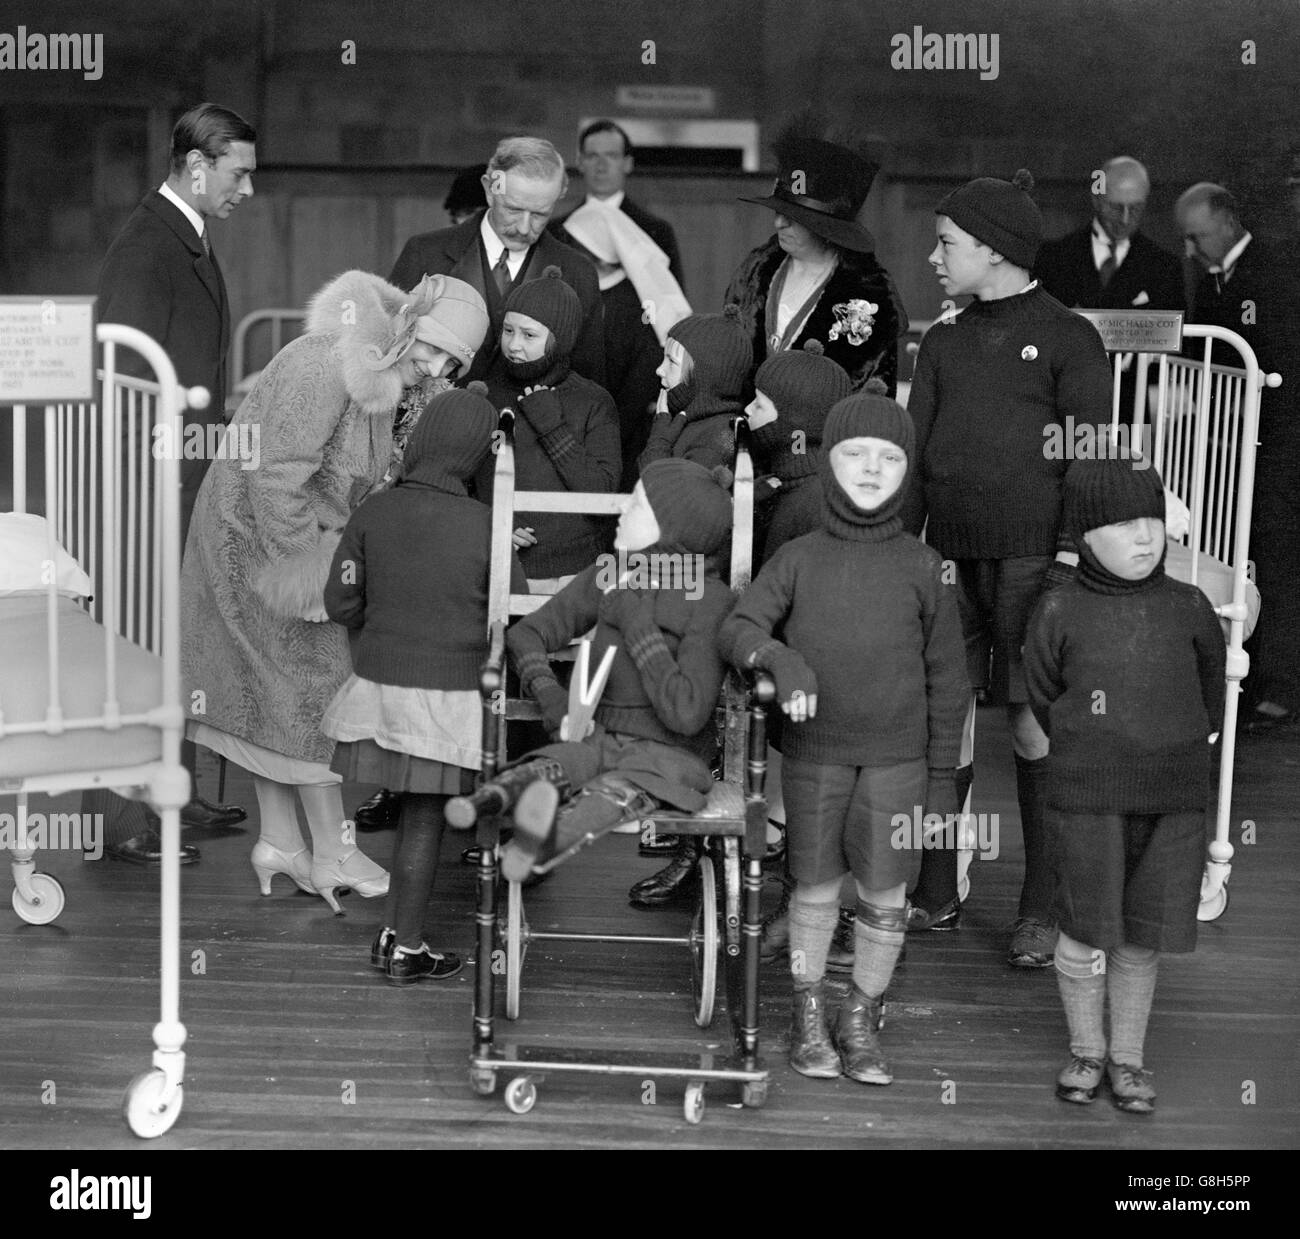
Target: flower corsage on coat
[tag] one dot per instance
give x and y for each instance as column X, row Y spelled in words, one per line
column 854, row 319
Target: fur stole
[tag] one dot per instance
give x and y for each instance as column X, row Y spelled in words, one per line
column 361, row 313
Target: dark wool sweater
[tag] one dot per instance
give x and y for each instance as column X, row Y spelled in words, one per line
column 708, row 440
column 986, row 387
column 667, row 674
column 1126, row 679
column 879, row 630
column 409, row 581
column 565, row 439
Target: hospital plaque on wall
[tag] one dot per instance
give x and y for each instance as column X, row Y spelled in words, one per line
column 47, row 349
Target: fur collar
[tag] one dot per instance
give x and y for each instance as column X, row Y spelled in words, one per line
column 359, row 312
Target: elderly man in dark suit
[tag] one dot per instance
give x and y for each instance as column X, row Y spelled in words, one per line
column 1251, row 287
column 507, row 244
column 161, row 276
column 1109, row 264
column 632, row 349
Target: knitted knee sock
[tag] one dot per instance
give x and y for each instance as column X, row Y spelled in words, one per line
column 1132, row 984
column 877, row 940
column 415, row 865
column 277, row 813
column 1038, row 893
column 812, row 925
column 323, row 805
column 937, row 884
column 1081, row 977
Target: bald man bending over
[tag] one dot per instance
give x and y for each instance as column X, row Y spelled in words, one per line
column 1109, row 264
column 1252, row 288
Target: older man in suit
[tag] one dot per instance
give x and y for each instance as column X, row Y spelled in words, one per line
column 161, row 276
column 632, row 349
column 507, row 244
column 1251, row 287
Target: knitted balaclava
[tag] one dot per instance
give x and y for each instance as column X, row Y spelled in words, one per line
column 691, row 506
column 803, row 385
column 556, row 306
column 451, row 440
column 868, row 414
column 1001, row 214
column 722, row 356
column 1105, row 492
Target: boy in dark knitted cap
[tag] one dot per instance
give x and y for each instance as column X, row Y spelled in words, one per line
column 990, row 384
column 871, row 673
column 566, row 433
column 658, row 602
column 1125, row 671
column 705, row 373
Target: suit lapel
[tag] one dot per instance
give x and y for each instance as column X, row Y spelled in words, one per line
column 204, row 270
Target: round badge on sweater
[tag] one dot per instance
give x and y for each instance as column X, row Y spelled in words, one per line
column 1028, row 353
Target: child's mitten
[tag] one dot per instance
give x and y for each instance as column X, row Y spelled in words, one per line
column 625, row 609
column 791, row 673
column 541, row 407
column 553, row 701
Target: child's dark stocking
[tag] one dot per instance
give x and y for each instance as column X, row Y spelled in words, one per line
column 936, row 888
column 415, row 865
column 1039, row 889
column 500, row 794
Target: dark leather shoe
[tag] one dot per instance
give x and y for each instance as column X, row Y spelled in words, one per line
column 380, row 812
column 669, row 885
column 146, row 849
column 945, row 919
column 424, row 964
column 200, row 812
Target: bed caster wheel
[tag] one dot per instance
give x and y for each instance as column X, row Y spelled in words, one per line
column 142, row 1106
column 46, row 902
column 1208, row 909
column 693, row 1103
column 484, row 1082
column 963, row 889
column 753, row 1093
column 521, row 1095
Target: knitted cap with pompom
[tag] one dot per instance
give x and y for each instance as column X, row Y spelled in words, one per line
column 722, row 356
column 690, row 504
column 452, row 439
column 1001, row 214
column 803, row 384
column 552, row 303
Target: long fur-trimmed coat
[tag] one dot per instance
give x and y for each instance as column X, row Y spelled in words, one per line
column 262, row 538
column 858, row 276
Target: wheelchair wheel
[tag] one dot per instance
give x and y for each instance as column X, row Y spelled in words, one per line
column 704, row 945
column 753, row 1093
column 516, row 947
column 483, row 1081
column 521, row 1095
column 693, row 1103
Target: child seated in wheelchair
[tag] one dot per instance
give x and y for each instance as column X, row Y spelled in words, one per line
column 870, row 669
column 653, row 736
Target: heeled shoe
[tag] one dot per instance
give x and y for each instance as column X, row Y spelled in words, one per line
column 354, row 871
column 268, row 860
column 943, row 920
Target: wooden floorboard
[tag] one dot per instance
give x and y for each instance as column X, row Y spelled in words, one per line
column 287, row 1016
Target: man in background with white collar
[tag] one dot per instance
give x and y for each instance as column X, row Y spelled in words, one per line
column 633, row 350
column 1252, row 288
column 1109, row 264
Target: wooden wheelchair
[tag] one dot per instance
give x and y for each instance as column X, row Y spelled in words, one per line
column 725, row 928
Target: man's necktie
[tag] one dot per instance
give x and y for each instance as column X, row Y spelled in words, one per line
column 1106, row 272
column 501, row 273
column 207, row 245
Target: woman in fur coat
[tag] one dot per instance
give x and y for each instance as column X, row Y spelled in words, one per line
column 260, row 658
column 818, row 278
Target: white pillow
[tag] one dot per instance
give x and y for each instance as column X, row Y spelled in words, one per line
column 24, row 559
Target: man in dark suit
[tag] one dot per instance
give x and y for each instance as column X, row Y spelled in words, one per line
column 507, row 243
column 161, row 276
column 1252, row 288
column 1109, row 264
column 632, row 349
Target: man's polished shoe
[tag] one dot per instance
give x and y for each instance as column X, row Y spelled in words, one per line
column 200, row 812
column 146, row 849
column 670, row 884
column 379, row 812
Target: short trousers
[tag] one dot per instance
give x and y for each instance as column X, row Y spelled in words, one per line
column 1129, row 877
column 842, row 819
column 995, row 598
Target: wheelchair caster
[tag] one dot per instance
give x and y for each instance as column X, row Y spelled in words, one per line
column 1208, row 909
column 693, row 1103
column 142, row 1106
column 521, row 1095
column 46, row 902
column 484, row 1082
column 753, row 1093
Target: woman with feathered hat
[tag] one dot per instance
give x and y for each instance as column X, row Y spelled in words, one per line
column 817, row 278
column 261, row 659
